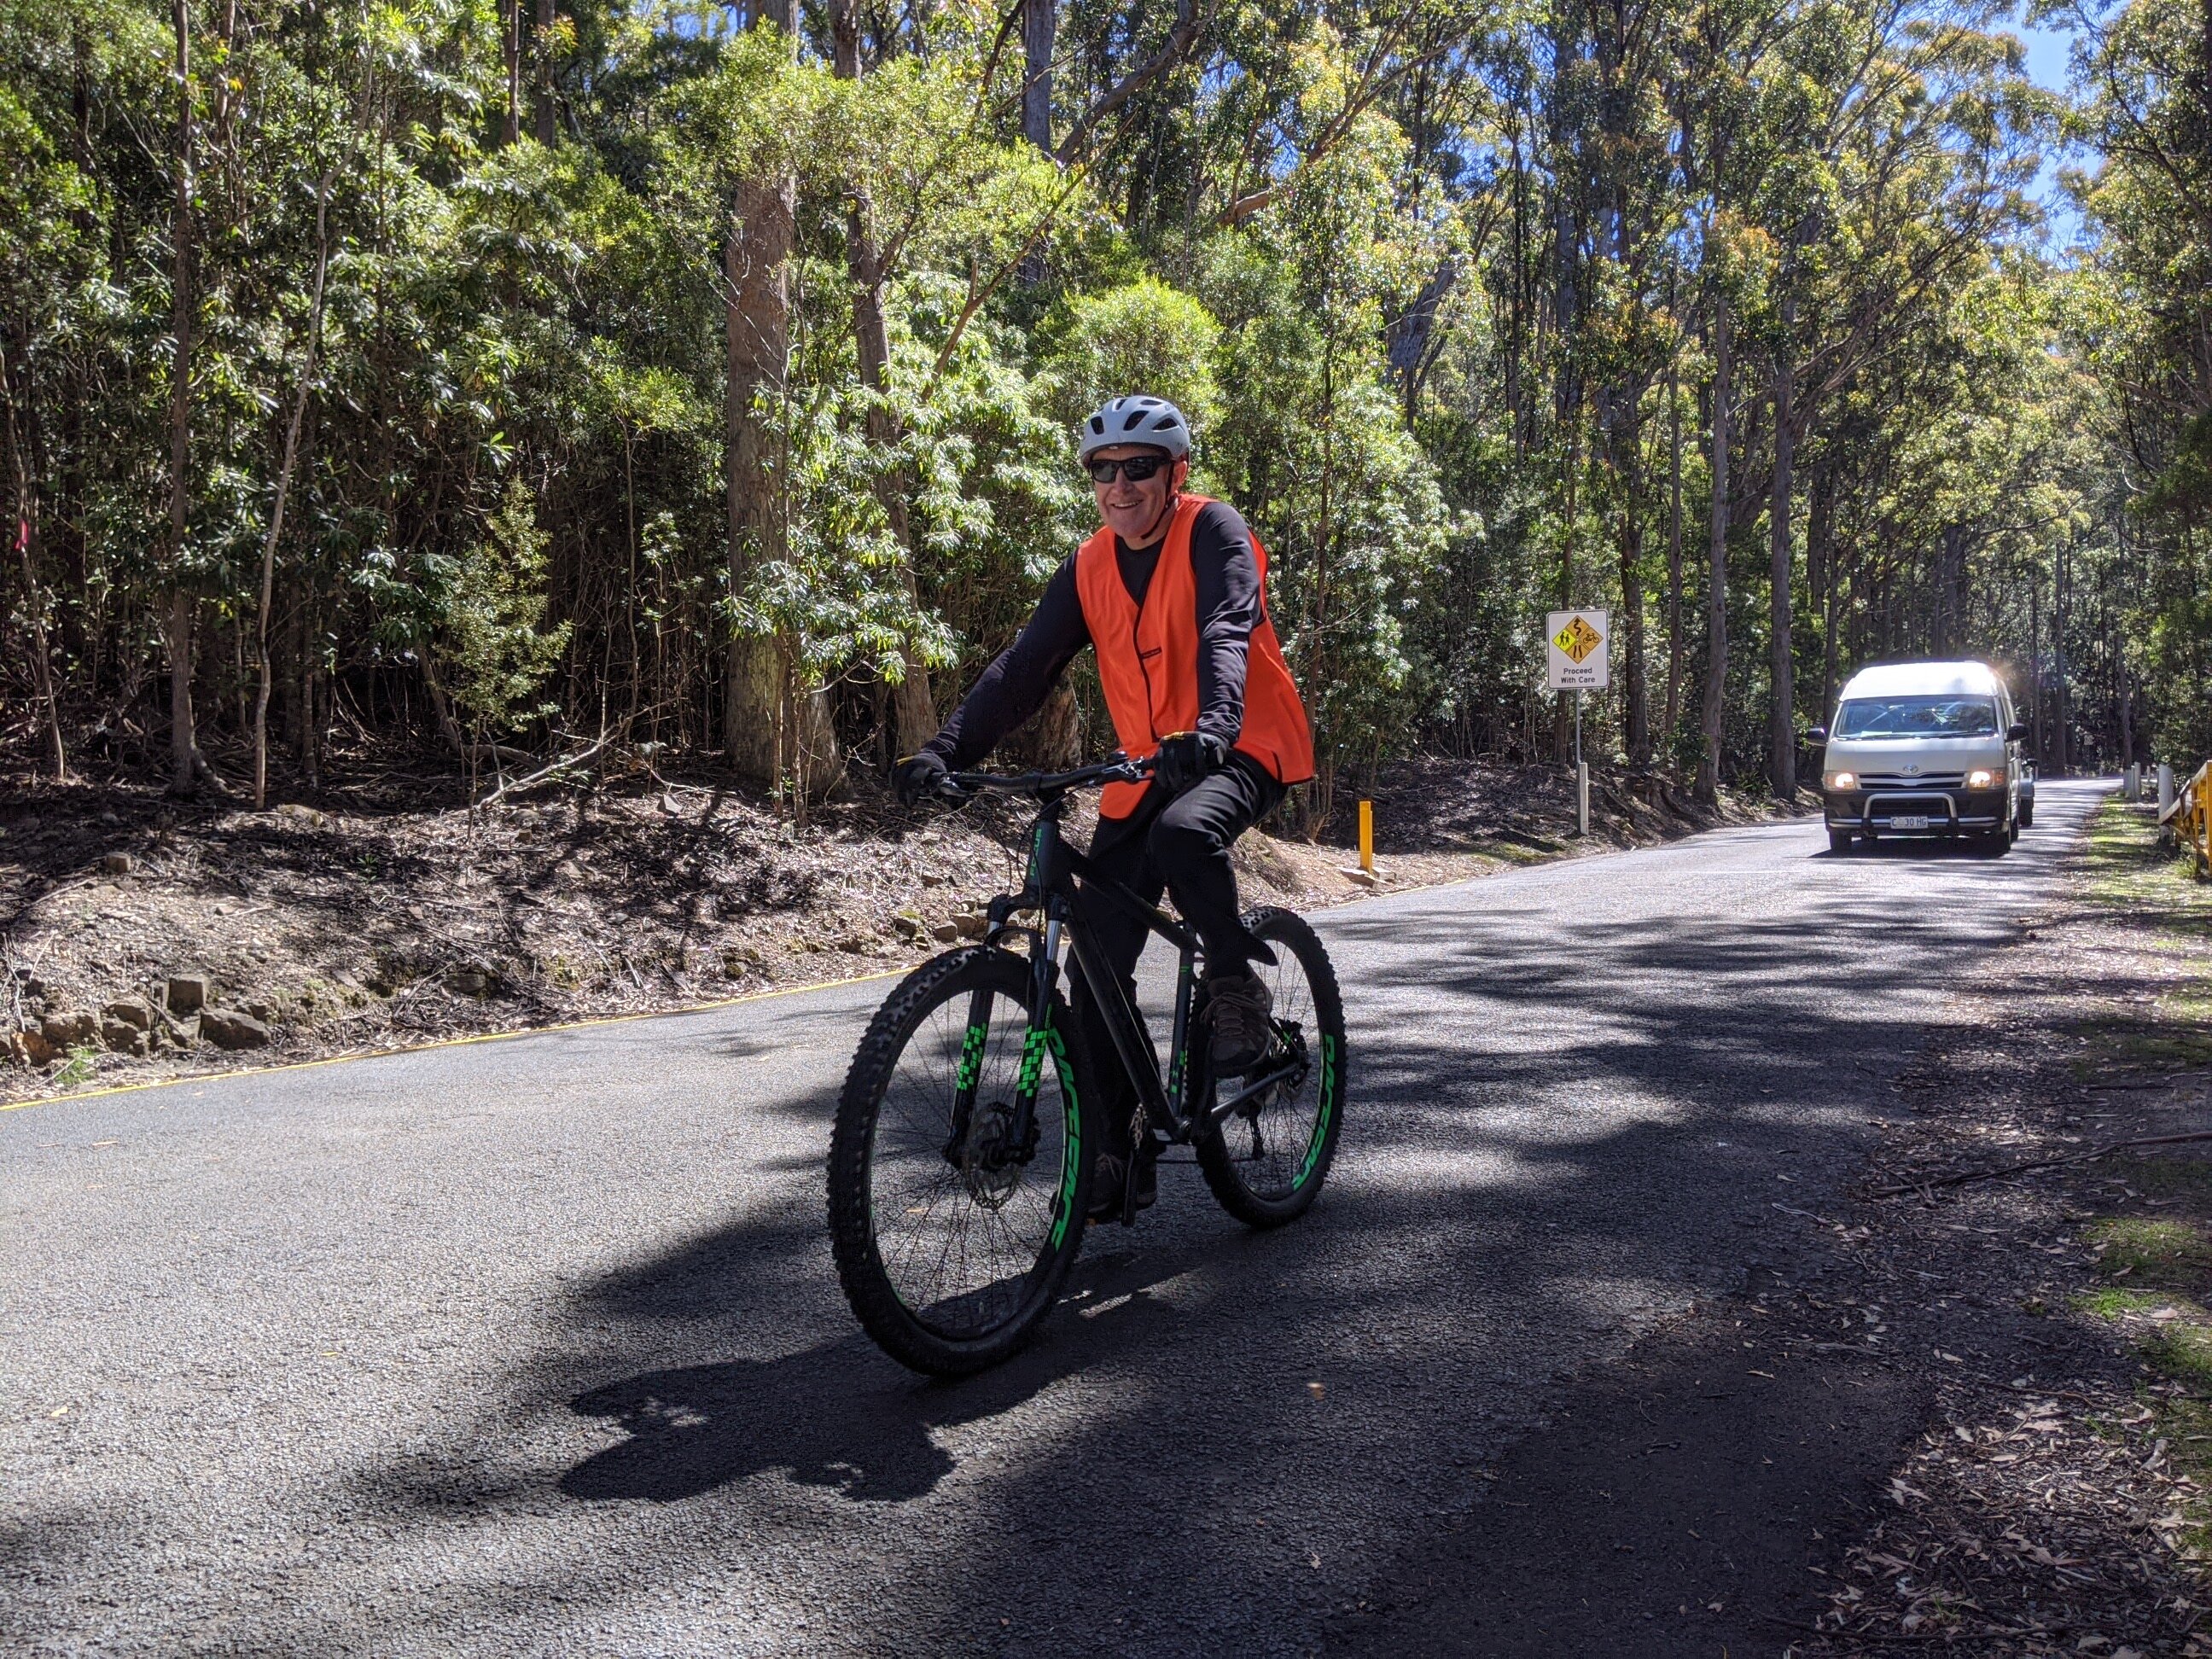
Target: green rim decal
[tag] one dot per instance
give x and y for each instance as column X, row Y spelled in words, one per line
column 1071, row 1158
column 971, row 1058
column 1329, row 1061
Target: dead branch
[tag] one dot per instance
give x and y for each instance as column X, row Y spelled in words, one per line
column 1187, row 21
column 517, row 785
column 1961, row 1177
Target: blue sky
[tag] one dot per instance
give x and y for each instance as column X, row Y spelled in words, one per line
column 2047, row 49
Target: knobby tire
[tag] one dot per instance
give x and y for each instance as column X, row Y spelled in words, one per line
column 1252, row 1189
column 923, row 1337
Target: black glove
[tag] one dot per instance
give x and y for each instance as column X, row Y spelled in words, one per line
column 918, row 776
column 1186, row 757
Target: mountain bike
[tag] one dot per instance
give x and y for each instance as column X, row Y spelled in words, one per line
column 962, row 1163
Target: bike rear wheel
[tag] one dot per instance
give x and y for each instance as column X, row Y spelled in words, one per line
column 1267, row 1159
column 952, row 1237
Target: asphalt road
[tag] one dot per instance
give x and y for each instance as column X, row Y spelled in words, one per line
column 534, row 1346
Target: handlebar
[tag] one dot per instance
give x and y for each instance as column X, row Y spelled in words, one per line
column 1119, row 769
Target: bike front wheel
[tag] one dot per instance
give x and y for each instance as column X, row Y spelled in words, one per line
column 957, row 1206
column 1266, row 1161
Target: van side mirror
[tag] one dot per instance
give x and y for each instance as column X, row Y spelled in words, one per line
column 1817, row 734
column 2016, row 732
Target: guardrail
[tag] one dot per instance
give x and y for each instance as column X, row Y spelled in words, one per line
column 2189, row 820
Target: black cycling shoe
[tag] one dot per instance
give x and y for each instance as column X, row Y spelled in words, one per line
column 1108, row 1184
column 1237, row 1006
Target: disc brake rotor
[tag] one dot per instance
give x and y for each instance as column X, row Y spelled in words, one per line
column 988, row 1167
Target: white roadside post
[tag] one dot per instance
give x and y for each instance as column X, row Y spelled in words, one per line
column 1575, row 658
column 2165, row 790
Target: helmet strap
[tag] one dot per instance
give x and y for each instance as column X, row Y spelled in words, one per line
column 1166, row 515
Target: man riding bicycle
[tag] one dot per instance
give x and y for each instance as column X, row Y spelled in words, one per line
column 1170, row 593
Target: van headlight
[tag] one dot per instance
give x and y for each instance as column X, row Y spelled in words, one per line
column 1981, row 777
column 1843, row 780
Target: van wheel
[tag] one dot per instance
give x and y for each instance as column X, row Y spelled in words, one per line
column 2027, row 817
column 1993, row 844
column 1839, row 841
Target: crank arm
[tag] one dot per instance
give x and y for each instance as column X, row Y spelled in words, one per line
column 1290, row 1068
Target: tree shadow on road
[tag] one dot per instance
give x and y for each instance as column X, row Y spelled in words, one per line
column 831, row 1416
column 1543, row 1159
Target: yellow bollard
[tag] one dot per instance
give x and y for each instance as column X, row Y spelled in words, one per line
column 1367, row 837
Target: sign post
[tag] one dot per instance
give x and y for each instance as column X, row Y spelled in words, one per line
column 1574, row 659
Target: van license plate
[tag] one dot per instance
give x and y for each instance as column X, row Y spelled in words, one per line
column 1909, row 821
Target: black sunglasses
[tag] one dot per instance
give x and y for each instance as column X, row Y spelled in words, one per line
column 1136, row 469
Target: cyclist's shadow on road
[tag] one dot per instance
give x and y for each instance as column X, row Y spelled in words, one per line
column 841, row 1416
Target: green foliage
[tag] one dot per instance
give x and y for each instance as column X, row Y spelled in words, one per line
column 83, row 1060
column 1142, row 336
column 496, row 650
column 1437, row 287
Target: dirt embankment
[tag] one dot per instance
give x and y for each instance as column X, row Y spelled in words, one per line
column 143, row 938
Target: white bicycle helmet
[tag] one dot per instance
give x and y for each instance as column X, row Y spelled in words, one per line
column 1136, row 420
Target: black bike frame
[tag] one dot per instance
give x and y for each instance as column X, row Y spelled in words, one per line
column 1060, row 884
column 1050, row 887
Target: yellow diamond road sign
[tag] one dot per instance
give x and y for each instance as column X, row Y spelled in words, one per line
column 1577, row 639
column 1574, row 650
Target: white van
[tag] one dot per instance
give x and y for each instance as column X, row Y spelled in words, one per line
column 1924, row 749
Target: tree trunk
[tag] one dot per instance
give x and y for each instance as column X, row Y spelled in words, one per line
column 2034, row 665
column 26, row 547
column 914, row 711
column 1782, row 715
column 764, row 723
column 1709, row 759
column 42, row 667
column 1950, row 591
column 756, row 258
column 1053, row 740
column 1820, row 571
column 845, row 40
column 2127, row 720
column 295, row 666
column 510, row 44
column 283, row 490
column 1564, row 702
column 2062, row 598
column 544, row 48
column 186, row 766
column 311, row 696
column 1039, row 20
column 1634, row 692
column 1675, row 643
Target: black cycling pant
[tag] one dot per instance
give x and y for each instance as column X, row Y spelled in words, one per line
column 1181, row 844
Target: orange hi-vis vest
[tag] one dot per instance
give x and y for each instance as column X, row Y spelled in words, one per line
column 1148, row 661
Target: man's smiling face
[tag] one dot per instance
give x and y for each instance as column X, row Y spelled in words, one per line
column 1135, row 509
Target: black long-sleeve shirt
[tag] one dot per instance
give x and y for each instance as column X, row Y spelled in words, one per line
column 1014, row 687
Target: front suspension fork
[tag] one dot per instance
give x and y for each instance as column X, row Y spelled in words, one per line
column 974, row 1042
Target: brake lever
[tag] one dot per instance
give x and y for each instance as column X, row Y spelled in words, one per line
column 1127, row 770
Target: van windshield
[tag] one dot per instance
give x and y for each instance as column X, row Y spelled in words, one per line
column 1917, row 717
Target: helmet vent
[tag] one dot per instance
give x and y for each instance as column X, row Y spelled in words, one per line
column 1141, row 419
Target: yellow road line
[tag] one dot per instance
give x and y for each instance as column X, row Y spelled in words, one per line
column 1500, row 867
column 453, row 1043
